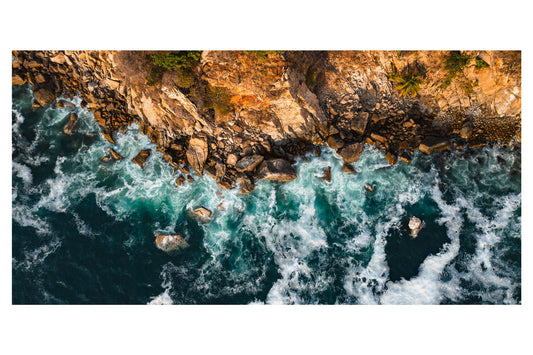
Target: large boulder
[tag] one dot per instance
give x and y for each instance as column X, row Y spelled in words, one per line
column 201, row 213
column 247, row 185
column 276, row 169
column 43, row 96
column 249, row 163
column 358, row 124
column 335, row 141
column 141, row 157
column 171, row 242
column 434, row 144
column 351, row 152
column 68, row 128
column 197, row 153
column 415, row 225
column 17, row 80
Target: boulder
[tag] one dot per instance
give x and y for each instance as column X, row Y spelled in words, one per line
column 327, row 174
column 377, row 138
column 108, row 135
column 348, row 168
column 114, row 154
column 359, row 123
column 415, row 225
column 71, row 123
column 369, row 188
column 141, row 157
column 43, row 96
column 180, row 180
column 351, row 152
column 197, row 153
column 466, row 130
column 17, row 80
column 232, row 159
column 318, row 151
column 405, row 157
column 170, row 242
column 391, row 158
column 201, row 213
column 65, row 104
column 247, row 185
column 249, row 163
column 335, row 142
column 220, row 170
column 276, row 169
column 434, row 144
column 59, row 59
column 225, row 184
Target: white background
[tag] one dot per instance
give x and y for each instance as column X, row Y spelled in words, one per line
column 274, row 24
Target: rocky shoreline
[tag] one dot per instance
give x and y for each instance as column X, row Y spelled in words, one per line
column 244, row 116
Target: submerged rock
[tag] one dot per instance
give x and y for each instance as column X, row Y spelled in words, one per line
column 171, row 242
column 201, row 213
column 327, row 174
column 415, row 225
column 247, row 185
column 71, row 123
column 369, row 188
column 180, row 180
column 141, row 157
column 348, row 168
column 249, row 163
column 276, row 169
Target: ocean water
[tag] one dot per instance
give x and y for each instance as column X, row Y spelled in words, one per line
column 84, row 231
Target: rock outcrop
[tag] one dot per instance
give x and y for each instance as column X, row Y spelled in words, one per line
column 233, row 105
column 68, row 128
column 141, row 157
column 171, row 242
column 276, row 169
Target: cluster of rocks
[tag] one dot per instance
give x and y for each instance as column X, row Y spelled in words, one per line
column 276, row 116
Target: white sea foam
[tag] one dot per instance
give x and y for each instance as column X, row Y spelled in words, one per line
column 23, row 172
column 37, row 256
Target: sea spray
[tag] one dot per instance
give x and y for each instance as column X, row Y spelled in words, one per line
column 84, row 230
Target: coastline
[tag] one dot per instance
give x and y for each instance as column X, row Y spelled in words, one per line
column 273, row 107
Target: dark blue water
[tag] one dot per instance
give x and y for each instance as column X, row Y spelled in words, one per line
column 84, row 231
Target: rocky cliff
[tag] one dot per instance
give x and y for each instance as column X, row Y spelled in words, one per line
column 232, row 105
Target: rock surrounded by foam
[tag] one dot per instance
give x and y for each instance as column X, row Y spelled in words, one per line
column 276, row 169
column 171, row 242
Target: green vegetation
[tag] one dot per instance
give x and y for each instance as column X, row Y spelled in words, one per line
column 454, row 63
column 219, row 99
column 263, row 55
column 480, row 63
column 406, row 82
column 175, row 60
column 469, row 86
column 182, row 63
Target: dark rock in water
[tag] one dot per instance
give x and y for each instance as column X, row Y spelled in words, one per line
column 434, row 144
column 335, row 142
column 348, row 168
column 190, row 178
column 115, row 155
column 108, row 135
column 500, row 160
column 180, row 180
column 211, row 171
column 405, row 157
column 43, row 96
column 202, row 214
column 276, row 169
column 369, row 188
column 480, row 161
column 185, row 169
column 415, row 225
column 141, row 157
column 170, row 242
column 71, row 123
column 249, row 163
column 391, row 158
column 351, row 152
column 247, row 185
column 65, row 104
column 106, row 158
column 327, row 174
column 225, row 184
column 318, row 151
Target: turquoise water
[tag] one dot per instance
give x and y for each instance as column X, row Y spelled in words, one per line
column 84, row 230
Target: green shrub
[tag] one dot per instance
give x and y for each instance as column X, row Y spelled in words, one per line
column 263, row 55
column 407, row 82
column 175, row 60
column 480, row 63
column 456, row 61
column 155, row 76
